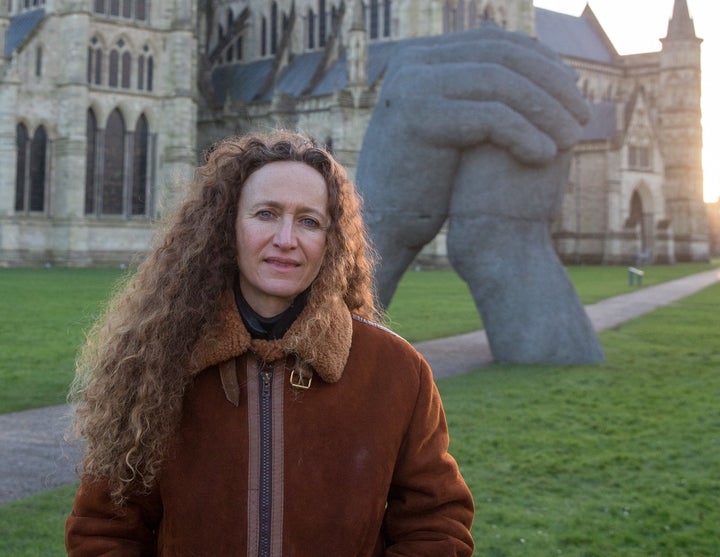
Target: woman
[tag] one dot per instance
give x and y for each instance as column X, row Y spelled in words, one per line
column 238, row 397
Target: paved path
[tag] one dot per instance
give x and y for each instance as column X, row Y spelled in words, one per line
column 35, row 457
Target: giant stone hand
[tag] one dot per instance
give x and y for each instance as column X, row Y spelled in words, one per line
column 477, row 128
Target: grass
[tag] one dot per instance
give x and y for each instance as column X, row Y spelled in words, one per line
column 45, row 313
column 618, row 459
column 435, row 304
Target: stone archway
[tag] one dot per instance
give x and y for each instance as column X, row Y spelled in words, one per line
column 641, row 217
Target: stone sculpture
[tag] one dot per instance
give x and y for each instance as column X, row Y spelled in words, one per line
column 478, row 128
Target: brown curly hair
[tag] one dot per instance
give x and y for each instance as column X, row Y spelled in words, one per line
column 134, row 369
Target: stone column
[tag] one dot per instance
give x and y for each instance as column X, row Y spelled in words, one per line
column 8, row 156
column 179, row 123
column 68, row 183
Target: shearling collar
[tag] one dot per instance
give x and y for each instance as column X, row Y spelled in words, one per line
column 323, row 345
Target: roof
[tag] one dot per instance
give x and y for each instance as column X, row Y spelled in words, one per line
column 21, row 26
column 571, row 36
column 567, row 35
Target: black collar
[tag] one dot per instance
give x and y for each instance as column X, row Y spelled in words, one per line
column 269, row 328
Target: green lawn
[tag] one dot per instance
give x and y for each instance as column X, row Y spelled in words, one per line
column 45, row 313
column 618, row 459
column 435, row 304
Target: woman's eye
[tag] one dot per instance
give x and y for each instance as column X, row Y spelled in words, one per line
column 310, row 223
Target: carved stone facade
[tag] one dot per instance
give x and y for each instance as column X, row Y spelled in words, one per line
column 106, row 104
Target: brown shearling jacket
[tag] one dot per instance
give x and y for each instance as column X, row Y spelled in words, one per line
column 354, row 465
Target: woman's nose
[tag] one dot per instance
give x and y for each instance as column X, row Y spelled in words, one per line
column 285, row 234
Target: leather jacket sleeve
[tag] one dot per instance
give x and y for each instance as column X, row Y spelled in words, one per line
column 430, row 508
column 97, row 526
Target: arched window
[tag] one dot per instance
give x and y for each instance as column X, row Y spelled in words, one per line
column 114, row 7
column 90, row 154
column 229, row 20
column 311, row 28
column 119, row 65
column 21, row 141
column 140, row 10
column 113, row 68
column 99, row 6
column 263, row 37
column 141, row 72
column 94, row 62
column 374, row 23
column 127, row 8
column 150, row 69
column 273, row 28
column 38, row 151
column 126, row 61
column 387, row 18
column 138, row 202
column 114, row 163
column 322, row 23
column 38, row 61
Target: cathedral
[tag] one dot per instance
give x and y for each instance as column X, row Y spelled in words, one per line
column 107, row 106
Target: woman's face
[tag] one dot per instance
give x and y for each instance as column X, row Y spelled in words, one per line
column 280, row 233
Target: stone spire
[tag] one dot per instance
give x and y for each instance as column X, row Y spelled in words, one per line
column 681, row 25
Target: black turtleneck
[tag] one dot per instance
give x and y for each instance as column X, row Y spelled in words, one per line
column 269, row 328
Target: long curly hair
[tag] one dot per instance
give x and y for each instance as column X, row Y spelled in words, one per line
column 134, row 369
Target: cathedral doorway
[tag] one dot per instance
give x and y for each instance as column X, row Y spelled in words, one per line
column 642, row 218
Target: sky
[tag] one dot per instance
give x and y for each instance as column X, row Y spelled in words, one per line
column 637, row 26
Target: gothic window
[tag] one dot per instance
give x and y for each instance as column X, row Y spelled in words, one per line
column 114, row 162
column 38, row 61
column 311, row 28
column 639, row 157
column 119, row 66
column 129, row 9
column 21, row 139
column 138, row 202
column 273, row 28
column 263, row 37
column 373, row 19
column 38, row 150
column 125, row 82
column 113, row 68
column 141, row 72
column 322, row 23
column 90, row 154
column 387, row 14
column 94, row 62
column 229, row 20
column 150, row 69
column 140, row 10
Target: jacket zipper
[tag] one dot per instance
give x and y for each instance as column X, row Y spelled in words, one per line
column 266, row 378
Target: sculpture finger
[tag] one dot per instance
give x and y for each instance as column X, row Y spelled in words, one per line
column 462, row 124
column 494, row 83
column 515, row 51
